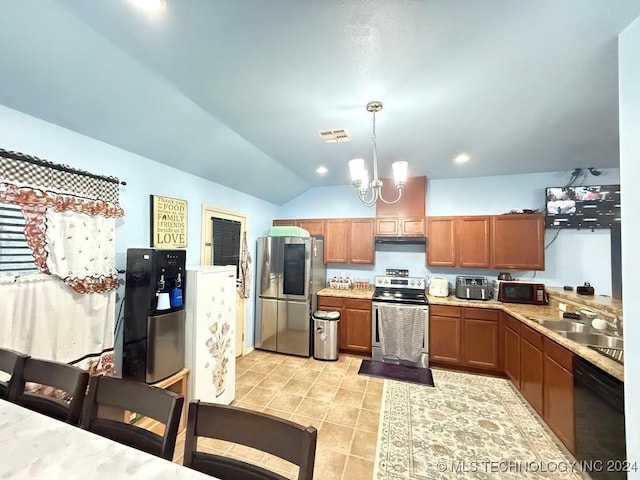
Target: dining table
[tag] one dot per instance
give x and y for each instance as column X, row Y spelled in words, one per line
column 34, row 446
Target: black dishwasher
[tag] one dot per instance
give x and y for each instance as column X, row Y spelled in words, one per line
column 599, row 421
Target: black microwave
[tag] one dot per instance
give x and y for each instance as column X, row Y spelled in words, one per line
column 520, row 292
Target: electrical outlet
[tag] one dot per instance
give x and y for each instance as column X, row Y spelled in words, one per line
column 562, row 306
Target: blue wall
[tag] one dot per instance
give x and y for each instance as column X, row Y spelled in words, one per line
column 574, row 257
column 144, row 177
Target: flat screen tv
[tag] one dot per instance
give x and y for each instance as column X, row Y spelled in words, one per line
column 590, row 206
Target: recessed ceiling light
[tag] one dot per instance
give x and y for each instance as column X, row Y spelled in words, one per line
column 150, row 6
column 321, row 170
column 462, row 158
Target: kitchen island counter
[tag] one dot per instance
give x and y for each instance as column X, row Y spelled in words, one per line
column 524, row 313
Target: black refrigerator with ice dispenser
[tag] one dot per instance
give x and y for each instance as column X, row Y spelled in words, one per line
column 154, row 322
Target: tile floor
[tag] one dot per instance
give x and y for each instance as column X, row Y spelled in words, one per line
column 331, row 396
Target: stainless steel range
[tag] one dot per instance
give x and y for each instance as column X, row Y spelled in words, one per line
column 400, row 321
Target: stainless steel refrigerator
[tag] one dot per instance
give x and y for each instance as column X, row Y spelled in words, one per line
column 290, row 271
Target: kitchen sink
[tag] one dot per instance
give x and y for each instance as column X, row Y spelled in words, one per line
column 594, row 339
column 566, row 326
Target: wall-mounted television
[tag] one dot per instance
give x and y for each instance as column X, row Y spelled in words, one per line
column 589, row 206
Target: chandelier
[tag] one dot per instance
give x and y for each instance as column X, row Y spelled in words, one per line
column 360, row 175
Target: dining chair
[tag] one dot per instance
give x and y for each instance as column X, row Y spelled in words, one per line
column 11, row 363
column 64, row 405
column 276, row 436
column 109, row 397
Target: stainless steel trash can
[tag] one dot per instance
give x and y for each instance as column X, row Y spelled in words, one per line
column 325, row 339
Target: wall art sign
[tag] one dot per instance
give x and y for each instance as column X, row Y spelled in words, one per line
column 168, row 222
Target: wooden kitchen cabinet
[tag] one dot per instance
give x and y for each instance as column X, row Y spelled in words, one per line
column 531, row 367
column 400, row 227
column 357, row 327
column 512, row 349
column 473, row 249
column 361, row 248
column 558, row 394
column 481, row 334
column 336, row 241
column 486, row 241
column 441, row 241
column 349, row 240
column 445, row 334
column 518, row 241
column 354, row 328
column 315, row 226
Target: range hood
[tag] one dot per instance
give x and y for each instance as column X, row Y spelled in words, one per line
column 401, row 240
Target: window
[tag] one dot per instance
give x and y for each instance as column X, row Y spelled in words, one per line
column 15, row 254
column 226, row 242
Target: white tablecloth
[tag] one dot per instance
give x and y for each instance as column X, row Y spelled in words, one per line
column 33, row 446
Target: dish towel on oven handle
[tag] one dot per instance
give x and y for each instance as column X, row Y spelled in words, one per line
column 401, row 331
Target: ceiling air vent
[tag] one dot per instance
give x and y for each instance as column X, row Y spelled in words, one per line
column 334, row 136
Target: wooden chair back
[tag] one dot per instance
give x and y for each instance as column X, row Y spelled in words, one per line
column 61, row 376
column 108, row 395
column 11, row 363
column 276, row 436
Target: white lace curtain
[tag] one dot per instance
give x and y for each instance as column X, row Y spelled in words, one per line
column 67, row 312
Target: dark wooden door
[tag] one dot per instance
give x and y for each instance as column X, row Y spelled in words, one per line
column 412, row 203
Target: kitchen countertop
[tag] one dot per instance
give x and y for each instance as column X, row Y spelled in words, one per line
column 524, row 313
column 347, row 293
column 599, row 302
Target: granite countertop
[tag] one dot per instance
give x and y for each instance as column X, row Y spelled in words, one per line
column 524, row 313
column 599, row 302
column 347, row 293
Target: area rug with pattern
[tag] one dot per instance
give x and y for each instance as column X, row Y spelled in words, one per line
column 471, row 426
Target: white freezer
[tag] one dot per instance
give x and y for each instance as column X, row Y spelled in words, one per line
column 210, row 333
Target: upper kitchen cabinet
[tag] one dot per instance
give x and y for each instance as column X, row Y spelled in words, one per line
column 486, row 241
column 473, row 242
column 406, row 217
column 518, row 241
column 315, row 226
column 349, row 240
column 441, row 241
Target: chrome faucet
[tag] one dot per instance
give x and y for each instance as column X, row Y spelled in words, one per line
column 617, row 326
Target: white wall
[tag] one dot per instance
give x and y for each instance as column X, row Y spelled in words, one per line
column 144, row 177
column 574, row 257
column 629, row 81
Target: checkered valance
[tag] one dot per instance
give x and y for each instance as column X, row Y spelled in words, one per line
column 25, row 170
column 70, row 217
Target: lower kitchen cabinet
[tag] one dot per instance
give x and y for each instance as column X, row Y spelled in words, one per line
column 445, row 334
column 481, row 338
column 355, row 322
column 512, row 349
column 558, row 392
column 465, row 336
column 531, row 367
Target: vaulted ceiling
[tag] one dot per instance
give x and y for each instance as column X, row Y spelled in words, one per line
column 236, row 90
